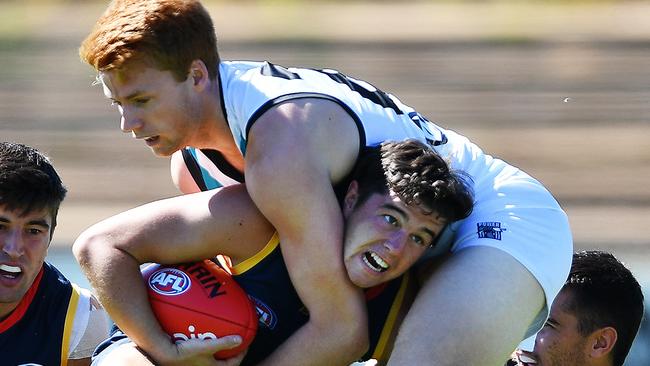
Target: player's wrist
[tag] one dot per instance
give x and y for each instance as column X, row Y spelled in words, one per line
column 158, row 347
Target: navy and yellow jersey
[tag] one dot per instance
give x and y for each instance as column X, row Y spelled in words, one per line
column 266, row 280
column 40, row 329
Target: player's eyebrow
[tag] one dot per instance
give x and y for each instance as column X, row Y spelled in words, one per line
column 392, row 207
column 38, row 222
column 133, row 95
column 552, row 321
column 406, row 216
column 42, row 223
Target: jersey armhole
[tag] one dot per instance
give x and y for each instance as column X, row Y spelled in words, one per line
column 194, row 169
column 284, row 98
column 255, row 259
column 73, row 304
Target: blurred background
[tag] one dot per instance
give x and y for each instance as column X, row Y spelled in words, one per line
column 558, row 88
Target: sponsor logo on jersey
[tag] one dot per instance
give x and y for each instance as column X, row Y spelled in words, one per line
column 489, row 230
column 265, row 314
column 169, row 281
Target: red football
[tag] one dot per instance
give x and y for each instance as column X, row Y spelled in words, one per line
column 200, row 300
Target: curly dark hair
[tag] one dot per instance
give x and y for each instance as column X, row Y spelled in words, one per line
column 28, row 181
column 418, row 175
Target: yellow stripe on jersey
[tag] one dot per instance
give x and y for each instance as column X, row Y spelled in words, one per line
column 389, row 331
column 254, row 260
column 69, row 323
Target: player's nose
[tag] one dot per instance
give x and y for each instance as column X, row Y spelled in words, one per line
column 12, row 244
column 130, row 121
column 396, row 242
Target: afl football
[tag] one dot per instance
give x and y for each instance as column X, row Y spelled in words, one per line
column 200, row 300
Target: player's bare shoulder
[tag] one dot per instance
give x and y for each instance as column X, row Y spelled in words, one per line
column 311, row 128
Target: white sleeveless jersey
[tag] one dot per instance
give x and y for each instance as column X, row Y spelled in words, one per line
column 250, row 88
column 513, row 212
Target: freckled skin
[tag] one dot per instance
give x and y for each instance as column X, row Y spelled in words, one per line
column 152, row 104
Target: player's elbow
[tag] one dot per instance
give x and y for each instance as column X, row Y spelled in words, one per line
column 350, row 327
column 81, row 247
column 360, row 342
column 351, row 339
column 86, row 246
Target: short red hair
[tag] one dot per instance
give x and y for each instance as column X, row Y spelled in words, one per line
column 165, row 34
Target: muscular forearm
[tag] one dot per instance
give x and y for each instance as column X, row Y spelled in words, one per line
column 79, row 362
column 111, row 272
column 311, row 246
column 311, row 346
column 290, row 169
column 185, row 228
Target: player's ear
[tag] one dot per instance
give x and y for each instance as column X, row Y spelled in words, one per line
column 199, row 74
column 351, row 197
column 602, row 342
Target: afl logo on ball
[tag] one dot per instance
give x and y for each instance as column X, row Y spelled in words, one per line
column 169, row 281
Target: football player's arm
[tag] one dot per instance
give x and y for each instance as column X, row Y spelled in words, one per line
column 129, row 354
column 179, row 229
column 294, row 153
column 80, row 362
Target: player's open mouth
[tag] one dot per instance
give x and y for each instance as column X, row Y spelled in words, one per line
column 375, row 262
column 526, row 360
column 8, row 271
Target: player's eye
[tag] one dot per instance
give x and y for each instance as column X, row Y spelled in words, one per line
column 35, row 231
column 549, row 324
column 390, row 219
column 140, row 101
column 417, row 239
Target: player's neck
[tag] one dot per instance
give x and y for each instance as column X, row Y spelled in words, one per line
column 216, row 135
column 6, row 309
column 213, row 131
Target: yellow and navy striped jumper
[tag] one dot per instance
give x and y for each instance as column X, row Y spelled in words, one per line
column 266, row 280
column 39, row 330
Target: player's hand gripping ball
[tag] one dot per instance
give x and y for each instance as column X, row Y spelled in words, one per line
column 200, row 300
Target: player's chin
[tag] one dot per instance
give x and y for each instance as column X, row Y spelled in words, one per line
column 526, row 359
column 363, row 279
column 360, row 275
column 163, row 151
